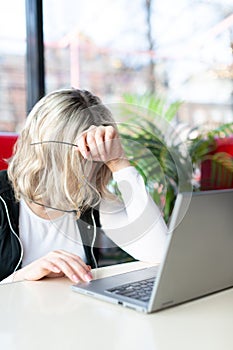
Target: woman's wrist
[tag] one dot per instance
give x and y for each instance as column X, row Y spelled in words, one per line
column 117, row 164
column 18, row 275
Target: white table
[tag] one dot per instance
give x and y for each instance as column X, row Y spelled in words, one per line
column 48, row 315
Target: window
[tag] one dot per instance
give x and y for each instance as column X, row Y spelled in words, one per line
column 182, row 52
column 12, row 65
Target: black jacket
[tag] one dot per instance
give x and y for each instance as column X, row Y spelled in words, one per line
column 10, row 249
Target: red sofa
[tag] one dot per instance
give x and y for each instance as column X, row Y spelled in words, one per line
column 216, row 177
column 7, row 141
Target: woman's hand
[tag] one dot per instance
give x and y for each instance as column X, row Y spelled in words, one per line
column 102, row 144
column 56, row 264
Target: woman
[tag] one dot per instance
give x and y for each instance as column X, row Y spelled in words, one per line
column 54, row 196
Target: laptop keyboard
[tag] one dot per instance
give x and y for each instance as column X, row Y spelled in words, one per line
column 140, row 290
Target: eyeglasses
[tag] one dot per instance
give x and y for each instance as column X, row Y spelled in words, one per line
column 62, row 142
column 47, row 206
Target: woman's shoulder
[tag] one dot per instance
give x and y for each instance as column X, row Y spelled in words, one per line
column 6, row 189
column 7, row 197
column 4, row 181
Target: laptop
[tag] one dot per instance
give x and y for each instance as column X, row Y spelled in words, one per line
column 198, row 260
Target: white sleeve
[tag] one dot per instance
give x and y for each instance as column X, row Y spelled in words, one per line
column 135, row 224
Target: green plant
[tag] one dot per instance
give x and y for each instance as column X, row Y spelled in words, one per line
column 155, row 149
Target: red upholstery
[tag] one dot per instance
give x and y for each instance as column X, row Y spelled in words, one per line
column 218, row 178
column 7, row 141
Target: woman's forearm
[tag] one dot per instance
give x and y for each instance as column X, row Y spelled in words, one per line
column 136, row 225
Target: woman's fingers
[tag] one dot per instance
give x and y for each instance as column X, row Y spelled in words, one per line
column 58, row 262
column 75, row 257
column 92, row 145
column 71, row 268
column 71, row 265
column 113, row 144
column 82, row 142
column 100, row 143
column 82, row 145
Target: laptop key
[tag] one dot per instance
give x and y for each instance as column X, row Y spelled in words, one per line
column 140, row 290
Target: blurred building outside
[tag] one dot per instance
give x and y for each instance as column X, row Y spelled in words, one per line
column 77, row 60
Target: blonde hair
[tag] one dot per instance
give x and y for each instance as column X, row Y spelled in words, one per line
column 54, row 173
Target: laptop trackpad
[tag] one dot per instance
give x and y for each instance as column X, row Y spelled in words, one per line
column 105, row 283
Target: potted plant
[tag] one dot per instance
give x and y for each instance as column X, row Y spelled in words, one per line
column 155, row 148
column 169, row 163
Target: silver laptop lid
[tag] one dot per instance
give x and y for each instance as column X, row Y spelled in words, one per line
column 199, row 257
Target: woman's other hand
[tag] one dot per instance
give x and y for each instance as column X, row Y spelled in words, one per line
column 57, row 263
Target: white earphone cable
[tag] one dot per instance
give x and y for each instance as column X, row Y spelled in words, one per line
column 94, row 237
column 12, row 230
